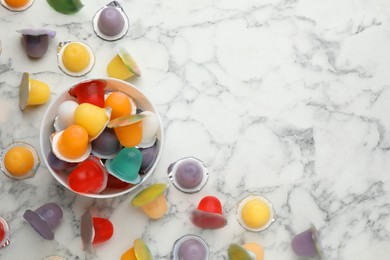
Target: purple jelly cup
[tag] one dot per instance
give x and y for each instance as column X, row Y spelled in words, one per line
column 188, row 174
column 190, row 247
column 307, row 243
column 44, row 219
column 36, row 41
column 110, row 23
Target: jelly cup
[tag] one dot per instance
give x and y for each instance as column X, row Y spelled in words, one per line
column 106, row 145
column 32, row 92
column 111, row 23
column 125, row 166
column 208, row 215
column 89, row 176
column 93, row 118
column 307, row 243
column 19, row 161
column 152, row 200
column 75, row 59
column 91, row 91
column 66, row 6
column 149, row 156
column 65, row 117
column 46, row 131
column 255, row 213
column 94, row 230
column 123, row 66
column 188, row 174
column 139, row 251
column 36, row 41
column 44, row 219
column 17, row 5
column 190, row 247
column 4, row 233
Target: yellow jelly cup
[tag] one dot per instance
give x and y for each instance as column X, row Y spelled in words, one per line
column 123, row 66
column 32, row 92
column 75, row 58
column 255, row 213
column 152, row 200
column 93, row 118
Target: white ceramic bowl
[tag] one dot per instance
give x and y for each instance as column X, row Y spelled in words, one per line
column 142, row 102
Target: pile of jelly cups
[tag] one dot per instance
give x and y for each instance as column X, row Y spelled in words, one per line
column 101, row 138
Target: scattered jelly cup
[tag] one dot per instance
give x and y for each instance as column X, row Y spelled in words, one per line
column 36, row 41
column 255, row 213
column 17, row 5
column 190, row 247
column 188, row 174
column 152, row 200
column 139, row 251
column 237, row 252
column 75, row 59
column 255, row 249
column 19, row 161
column 111, row 23
column 307, row 243
column 32, row 92
column 123, row 66
column 94, row 230
column 125, row 165
column 4, row 233
column 66, row 6
column 44, row 219
column 51, row 113
column 208, row 215
column 91, row 91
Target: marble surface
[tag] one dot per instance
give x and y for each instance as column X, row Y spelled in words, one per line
column 285, row 98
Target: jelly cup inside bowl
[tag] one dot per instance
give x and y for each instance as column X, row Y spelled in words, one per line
column 47, row 130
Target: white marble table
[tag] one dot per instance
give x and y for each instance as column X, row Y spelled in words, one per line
column 288, row 99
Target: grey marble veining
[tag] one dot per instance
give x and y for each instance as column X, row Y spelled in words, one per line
column 288, row 99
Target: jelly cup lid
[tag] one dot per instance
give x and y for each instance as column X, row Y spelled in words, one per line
column 148, row 194
column 87, row 231
column 207, row 220
column 141, row 250
column 236, row 251
column 17, row 9
column 24, row 91
column 126, row 120
column 30, row 173
column 243, row 202
column 317, row 240
column 44, row 219
column 37, row 32
column 60, row 52
column 173, row 169
column 180, row 241
column 118, row 36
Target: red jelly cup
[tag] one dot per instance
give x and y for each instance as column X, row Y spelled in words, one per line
column 208, row 215
column 95, row 230
column 4, row 233
column 91, row 92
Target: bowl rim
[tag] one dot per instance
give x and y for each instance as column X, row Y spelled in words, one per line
column 119, row 193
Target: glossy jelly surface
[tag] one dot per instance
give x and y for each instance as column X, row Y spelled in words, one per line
column 19, row 160
column 106, row 145
column 125, row 166
column 131, row 135
column 188, row 174
column 255, row 213
column 103, row 230
column 110, row 21
column 93, row 118
column 73, row 142
column 120, row 103
column 16, row 3
column 91, row 92
column 190, row 247
column 76, row 57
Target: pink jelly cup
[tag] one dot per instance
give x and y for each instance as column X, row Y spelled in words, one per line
column 142, row 102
